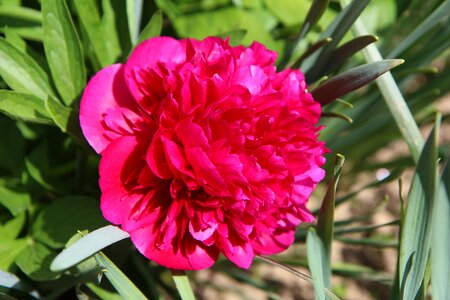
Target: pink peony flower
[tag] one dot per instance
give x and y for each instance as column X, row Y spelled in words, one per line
column 205, row 149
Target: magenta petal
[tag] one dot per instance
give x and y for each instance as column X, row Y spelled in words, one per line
column 147, row 54
column 241, row 254
column 120, row 161
column 105, row 92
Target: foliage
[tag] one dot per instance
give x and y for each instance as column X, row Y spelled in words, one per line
column 48, row 174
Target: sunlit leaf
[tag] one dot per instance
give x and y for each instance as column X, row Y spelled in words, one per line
column 24, row 107
column 183, row 285
column 153, row 28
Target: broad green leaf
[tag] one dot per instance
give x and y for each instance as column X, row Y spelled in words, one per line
column 119, row 281
column 13, row 286
column 24, row 107
column 235, row 36
column 440, row 243
column 102, row 37
column 12, row 228
column 63, row 50
column 35, row 261
column 316, row 261
column 24, row 21
column 352, row 79
column 182, row 283
column 416, row 230
column 12, row 149
column 14, row 196
column 289, row 12
column 88, row 246
column 21, row 72
column 59, row 221
column 9, row 249
column 64, row 117
column 153, row 28
column 325, row 222
column 314, row 65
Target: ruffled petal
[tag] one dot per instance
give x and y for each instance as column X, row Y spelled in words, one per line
column 107, row 107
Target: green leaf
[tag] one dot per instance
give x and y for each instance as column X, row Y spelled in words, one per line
column 102, row 293
column 134, row 14
column 235, row 36
column 64, row 117
column 14, row 196
column 35, row 261
column 59, row 221
column 24, row 107
column 12, row 228
column 9, row 249
column 352, row 79
column 182, row 283
column 100, row 31
column 316, row 260
column 13, row 286
column 88, row 246
column 63, row 50
column 316, row 11
column 21, row 72
column 24, row 21
column 119, row 281
column 12, row 148
column 308, row 52
column 153, row 28
column 416, row 230
column 325, row 223
column 440, row 247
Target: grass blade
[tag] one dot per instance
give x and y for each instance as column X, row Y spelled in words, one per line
column 182, row 283
column 440, row 244
column 63, row 50
column 88, row 246
column 352, row 79
column 118, row 279
column 416, row 231
column 153, row 28
column 317, row 261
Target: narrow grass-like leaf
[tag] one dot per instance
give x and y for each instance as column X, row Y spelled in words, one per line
column 312, row 49
column 87, row 246
column 153, row 28
column 352, row 79
column 12, row 285
column 314, row 65
column 118, row 279
column 22, row 20
column 24, row 107
column 21, row 72
column 63, row 50
column 325, row 222
column 102, row 37
column 316, row 261
column 102, row 293
column 134, row 14
column 339, row 56
column 416, row 231
column 182, row 283
column 442, row 12
column 440, row 244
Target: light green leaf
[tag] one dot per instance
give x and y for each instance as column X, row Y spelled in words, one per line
column 153, row 28
column 134, row 14
column 59, row 221
column 14, row 197
column 24, row 107
column 440, row 243
column 35, row 261
column 316, row 261
column 416, row 230
column 102, row 293
column 352, row 79
column 21, row 72
column 63, row 50
column 24, row 21
column 102, row 37
column 88, row 246
column 119, row 281
column 9, row 249
column 12, row 228
column 182, row 283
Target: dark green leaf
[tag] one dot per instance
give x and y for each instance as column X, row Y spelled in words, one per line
column 12, row 146
column 100, row 31
column 14, row 197
column 416, row 230
column 21, row 72
column 59, row 221
column 153, row 28
column 12, row 228
column 64, row 117
column 352, row 79
column 63, row 50
column 35, row 261
column 88, row 246
column 121, row 283
column 316, row 11
column 24, row 107
column 312, row 49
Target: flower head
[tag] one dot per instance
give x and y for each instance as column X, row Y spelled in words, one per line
column 205, row 149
